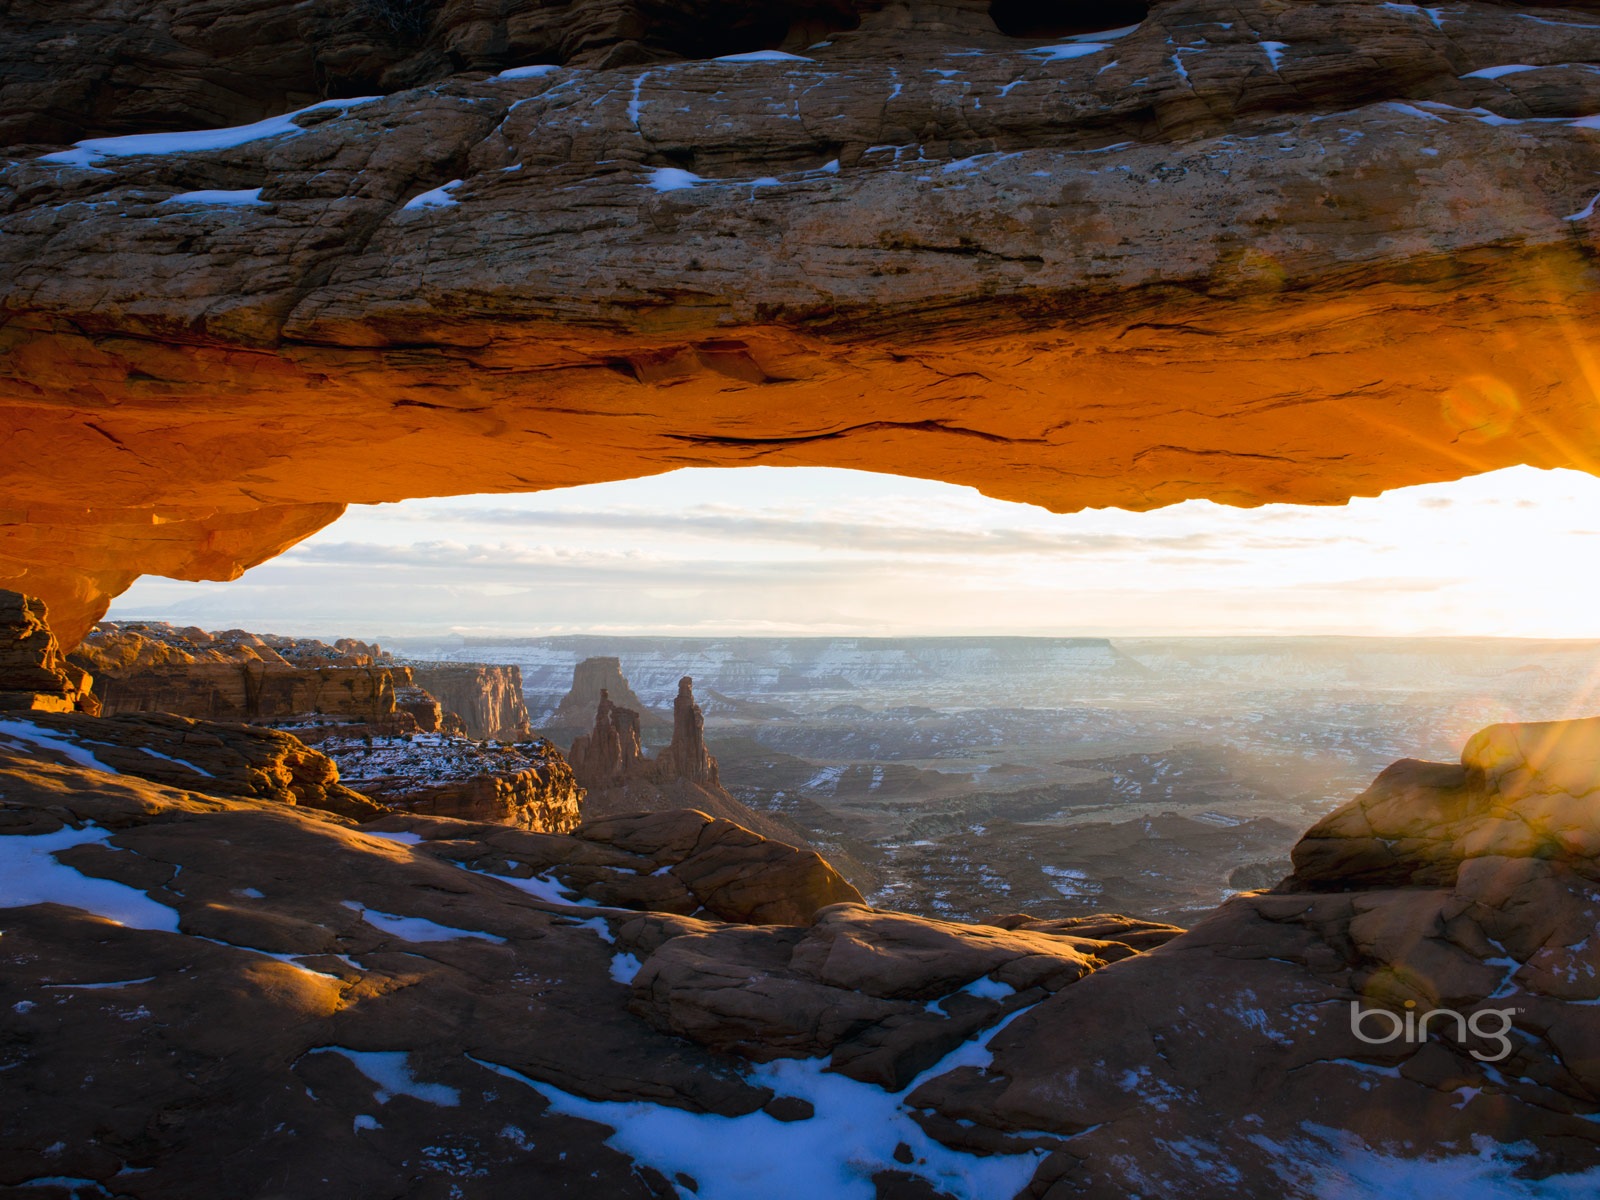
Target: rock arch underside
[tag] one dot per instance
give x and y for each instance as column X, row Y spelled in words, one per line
column 1255, row 252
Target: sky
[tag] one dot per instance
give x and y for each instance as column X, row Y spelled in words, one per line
column 770, row 550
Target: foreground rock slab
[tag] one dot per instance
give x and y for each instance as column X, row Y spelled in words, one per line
column 200, row 991
column 197, row 987
column 1420, row 999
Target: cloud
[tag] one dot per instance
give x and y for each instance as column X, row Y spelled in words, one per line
column 865, row 537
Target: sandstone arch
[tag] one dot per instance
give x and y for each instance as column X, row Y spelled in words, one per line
column 1305, row 253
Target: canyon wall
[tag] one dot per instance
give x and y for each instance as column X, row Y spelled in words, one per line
column 1259, row 252
column 488, row 699
column 240, row 676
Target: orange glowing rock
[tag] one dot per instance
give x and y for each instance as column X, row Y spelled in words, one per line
column 1075, row 279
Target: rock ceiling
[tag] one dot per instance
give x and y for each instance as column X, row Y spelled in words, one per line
column 1254, row 252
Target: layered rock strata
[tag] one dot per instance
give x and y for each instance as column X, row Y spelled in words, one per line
column 205, row 756
column 528, row 786
column 237, row 675
column 594, row 680
column 487, row 699
column 34, row 674
column 1258, row 252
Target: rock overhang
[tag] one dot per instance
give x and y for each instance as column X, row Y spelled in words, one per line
column 1283, row 253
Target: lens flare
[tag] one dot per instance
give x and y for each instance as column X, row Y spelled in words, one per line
column 1481, row 408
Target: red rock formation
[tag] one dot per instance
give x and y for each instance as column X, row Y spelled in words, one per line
column 610, row 754
column 529, row 787
column 487, row 699
column 687, row 757
column 34, row 674
column 1316, row 252
column 592, row 680
column 219, row 759
column 237, row 675
column 621, row 779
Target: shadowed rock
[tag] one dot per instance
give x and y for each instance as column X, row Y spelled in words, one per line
column 34, row 674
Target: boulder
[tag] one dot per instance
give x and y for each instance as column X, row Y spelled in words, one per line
column 885, row 995
column 676, row 861
column 1520, row 791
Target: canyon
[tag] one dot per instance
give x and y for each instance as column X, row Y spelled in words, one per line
column 203, row 979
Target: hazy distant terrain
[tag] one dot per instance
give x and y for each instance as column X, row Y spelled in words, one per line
column 978, row 776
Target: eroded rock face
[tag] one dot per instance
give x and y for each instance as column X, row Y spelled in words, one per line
column 488, row 699
column 1467, row 892
column 621, row 779
column 528, row 786
column 1290, row 252
column 240, row 676
column 34, row 674
column 594, row 680
column 686, row 757
column 72, row 69
column 610, row 754
column 219, row 759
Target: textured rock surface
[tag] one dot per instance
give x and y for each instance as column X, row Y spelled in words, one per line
column 228, row 1045
column 528, row 786
column 857, row 985
column 610, row 753
column 594, row 680
column 220, row 759
column 1220, row 1063
column 733, row 873
column 488, row 699
column 71, row 69
column 686, row 756
column 1235, row 1044
column 1269, row 251
column 239, row 676
column 621, row 779
column 681, row 862
column 1521, row 791
column 34, row 674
